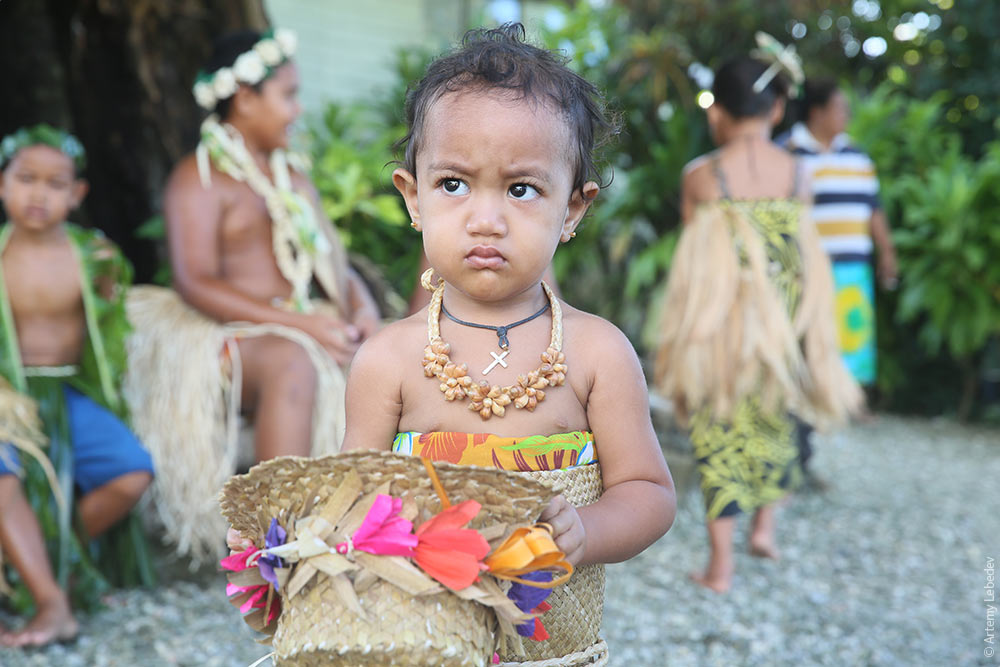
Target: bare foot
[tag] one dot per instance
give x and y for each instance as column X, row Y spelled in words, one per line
column 719, row 584
column 54, row 622
column 764, row 549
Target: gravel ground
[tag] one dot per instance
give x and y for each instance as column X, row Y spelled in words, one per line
column 885, row 568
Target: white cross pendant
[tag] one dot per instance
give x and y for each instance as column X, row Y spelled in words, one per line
column 497, row 359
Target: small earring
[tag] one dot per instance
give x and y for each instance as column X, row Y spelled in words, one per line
column 413, row 224
column 572, row 235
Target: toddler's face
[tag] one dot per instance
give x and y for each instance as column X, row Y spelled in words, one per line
column 493, row 193
column 40, row 188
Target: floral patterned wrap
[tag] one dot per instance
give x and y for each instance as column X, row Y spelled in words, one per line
column 525, row 454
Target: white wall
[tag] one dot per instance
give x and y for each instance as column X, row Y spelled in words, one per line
column 347, row 48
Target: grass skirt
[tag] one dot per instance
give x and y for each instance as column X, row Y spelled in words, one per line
column 185, row 406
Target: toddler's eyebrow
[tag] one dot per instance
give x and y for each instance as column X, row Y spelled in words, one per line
column 537, row 173
column 514, row 171
column 448, row 166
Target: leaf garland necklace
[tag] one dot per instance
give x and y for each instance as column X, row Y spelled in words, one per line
column 486, row 399
column 301, row 249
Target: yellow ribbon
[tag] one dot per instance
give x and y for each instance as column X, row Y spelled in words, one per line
column 436, row 483
column 528, row 550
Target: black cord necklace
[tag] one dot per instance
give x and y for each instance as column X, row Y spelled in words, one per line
column 500, row 331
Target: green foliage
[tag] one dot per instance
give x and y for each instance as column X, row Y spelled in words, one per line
column 943, row 205
column 352, row 150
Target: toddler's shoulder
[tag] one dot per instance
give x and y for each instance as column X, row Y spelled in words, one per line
column 594, row 335
column 398, row 343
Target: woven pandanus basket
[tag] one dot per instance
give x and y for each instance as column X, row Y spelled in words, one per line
column 574, row 622
column 315, row 627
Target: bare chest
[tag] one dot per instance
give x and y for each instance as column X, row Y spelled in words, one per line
column 246, row 223
column 43, row 283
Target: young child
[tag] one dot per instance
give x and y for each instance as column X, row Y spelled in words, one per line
column 62, row 343
column 747, row 333
column 497, row 172
column 265, row 285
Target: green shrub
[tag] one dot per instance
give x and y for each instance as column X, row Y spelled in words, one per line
column 352, row 154
column 942, row 205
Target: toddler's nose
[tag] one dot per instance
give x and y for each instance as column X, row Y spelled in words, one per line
column 487, row 218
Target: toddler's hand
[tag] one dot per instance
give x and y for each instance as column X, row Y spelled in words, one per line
column 236, row 542
column 567, row 529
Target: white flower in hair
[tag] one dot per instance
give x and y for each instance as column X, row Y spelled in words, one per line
column 269, row 51
column 224, row 83
column 287, row 40
column 249, row 68
column 204, row 95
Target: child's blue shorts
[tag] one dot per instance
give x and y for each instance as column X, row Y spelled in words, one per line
column 103, row 447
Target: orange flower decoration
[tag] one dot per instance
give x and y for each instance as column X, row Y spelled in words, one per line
column 448, row 552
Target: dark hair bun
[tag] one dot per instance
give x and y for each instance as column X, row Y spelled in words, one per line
column 733, row 88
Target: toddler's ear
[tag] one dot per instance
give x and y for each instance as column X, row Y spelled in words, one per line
column 80, row 190
column 406, row 183
column 579, row 202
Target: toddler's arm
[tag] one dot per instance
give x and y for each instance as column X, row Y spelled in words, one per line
column 639, row 502
column 373, row 399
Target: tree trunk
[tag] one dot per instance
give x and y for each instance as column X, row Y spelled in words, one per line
column 118, row 74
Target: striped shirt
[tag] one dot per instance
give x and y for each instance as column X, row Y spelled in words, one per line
column 845, row 192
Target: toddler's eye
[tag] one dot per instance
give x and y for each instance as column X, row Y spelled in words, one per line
column 454, row 186
column 522, row 191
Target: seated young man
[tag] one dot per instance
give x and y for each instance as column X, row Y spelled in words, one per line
column 272, row 306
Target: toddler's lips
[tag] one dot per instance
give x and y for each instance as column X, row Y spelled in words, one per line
column 485, row 257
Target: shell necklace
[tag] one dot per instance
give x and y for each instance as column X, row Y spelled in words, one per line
column 486, row 399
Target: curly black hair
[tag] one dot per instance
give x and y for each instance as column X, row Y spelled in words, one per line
column 500, row 58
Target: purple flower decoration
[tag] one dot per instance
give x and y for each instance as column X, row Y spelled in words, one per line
column 528, row 598
column 275, row 537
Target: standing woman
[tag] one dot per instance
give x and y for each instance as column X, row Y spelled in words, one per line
column 747, row 334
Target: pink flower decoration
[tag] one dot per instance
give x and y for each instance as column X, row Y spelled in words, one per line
column 244, row 560
column 383, row 532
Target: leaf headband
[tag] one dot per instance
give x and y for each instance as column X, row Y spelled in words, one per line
column 44, row 135
column 273, row 50
column 779, row 57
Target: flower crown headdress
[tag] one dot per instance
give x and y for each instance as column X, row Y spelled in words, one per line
column 273, row 50
column 779, row 57
column 46, row 135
